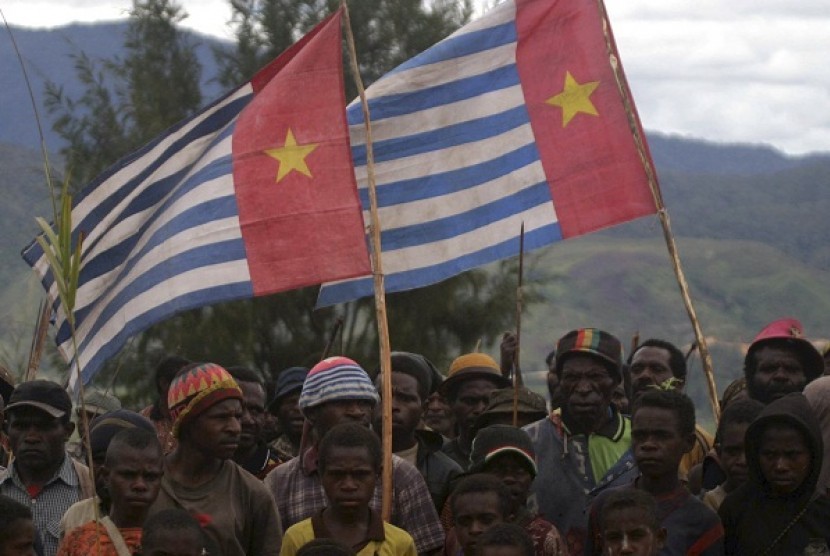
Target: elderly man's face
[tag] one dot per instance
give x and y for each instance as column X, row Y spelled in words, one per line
column 778, row 372
column 587, row 387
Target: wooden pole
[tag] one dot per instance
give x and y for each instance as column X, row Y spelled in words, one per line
column 377, row 271
column 38, row 341
column 517, row 373
column 662, row 213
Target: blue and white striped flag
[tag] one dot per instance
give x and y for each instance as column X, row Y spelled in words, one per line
column 515, row 118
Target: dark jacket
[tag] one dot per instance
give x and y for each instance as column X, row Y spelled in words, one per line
column 438, row 469
column 758, row 521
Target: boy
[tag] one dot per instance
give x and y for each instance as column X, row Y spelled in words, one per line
column 349, row 464
column 729, row 448
column 630, row 524
column 505, row 539
column 507, row 453
column 132, row 477
column 777, row 511
column 174, row 532
column 17, row 532
column 478, row 503
column 662, row 431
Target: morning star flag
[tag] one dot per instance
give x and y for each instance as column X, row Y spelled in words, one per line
column 254, row 195
column 517, row 117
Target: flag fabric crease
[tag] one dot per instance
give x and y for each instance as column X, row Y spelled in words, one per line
column 515, row 118
column 253, row 195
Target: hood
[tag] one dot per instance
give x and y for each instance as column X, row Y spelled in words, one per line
column 794, row 410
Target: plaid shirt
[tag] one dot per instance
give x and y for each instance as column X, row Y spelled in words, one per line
column 299, row 494
column 60, row 492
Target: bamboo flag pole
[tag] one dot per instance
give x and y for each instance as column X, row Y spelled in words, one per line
column 662, row 213
column 38, row 341
column 517, row 373
column 377, row 271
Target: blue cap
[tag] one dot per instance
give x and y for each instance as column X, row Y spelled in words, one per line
column 289, row 381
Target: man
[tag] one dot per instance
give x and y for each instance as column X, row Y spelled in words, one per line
column 338, row 390
column 285, row 407
column 657, row 363
column 777, row 511
column 236, row 510
column 662, row 430
column 479, row 502
column 630, row 525
column 43, row 476
column 411, row 385
column 159, row 413
column 780, row 361
column 529, row 407
column 584, row 446
column 131, row 477
column 6, row 389
column 253, row 455
column 471, row 380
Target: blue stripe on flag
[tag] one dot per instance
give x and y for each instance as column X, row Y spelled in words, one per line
column 161, row 312
column 455, row 225
column 389, row 106
column 416, row 278
column 446, row 137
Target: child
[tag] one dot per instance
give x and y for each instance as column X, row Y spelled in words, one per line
column 132, row 477
column 507, row 453
column 17, row 532
column 174, row 532
column 349, row 459
column 506, row 539
column 478, row 503
column 777, row 510
column 630, row 524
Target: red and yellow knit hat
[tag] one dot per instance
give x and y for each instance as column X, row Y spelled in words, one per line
column 196, row 388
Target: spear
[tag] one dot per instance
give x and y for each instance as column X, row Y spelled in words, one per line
column 517, row 373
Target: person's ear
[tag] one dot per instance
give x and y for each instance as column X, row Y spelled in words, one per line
column 104, row 473
column 660, row 537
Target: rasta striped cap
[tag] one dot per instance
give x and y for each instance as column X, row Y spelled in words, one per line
column 591, row 341
column 196, row 388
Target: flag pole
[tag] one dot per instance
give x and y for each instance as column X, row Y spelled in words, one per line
column 662, row 213
column 517, row 373
column 377, row 272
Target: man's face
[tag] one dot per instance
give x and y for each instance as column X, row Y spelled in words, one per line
column 513, row 472
column 778, row 372
column 133, row 479
column 656, row 441
column 650, row 367
column 626, row 531
column 36, row 438
column 731, row 454
column 253, row 409
column 215, row 432
column 349, row 477
column 471, row 399
column 407, row 406
column 20, row 541
column 586, row 386
column 326, row 415
column 784, row 458
column 474, row 513
column 290, row 417
column 438, row 414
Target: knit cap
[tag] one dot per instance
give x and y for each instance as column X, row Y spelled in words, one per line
column 336, row 379
column 495, row 440
column 591, row 341
column 196, row 388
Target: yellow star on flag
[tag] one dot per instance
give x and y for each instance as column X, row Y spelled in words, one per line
column 574, row 98
column 291, row 156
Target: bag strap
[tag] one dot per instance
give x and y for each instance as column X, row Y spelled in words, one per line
column 115, row 536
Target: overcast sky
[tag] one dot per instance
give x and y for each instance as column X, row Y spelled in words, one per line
column 728, row 71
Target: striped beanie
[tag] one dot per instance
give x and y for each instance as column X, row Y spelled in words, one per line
column 336, row 379
column 197, row 387
column 594, row 342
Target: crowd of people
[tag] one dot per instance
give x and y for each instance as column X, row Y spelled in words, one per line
column 228, row 463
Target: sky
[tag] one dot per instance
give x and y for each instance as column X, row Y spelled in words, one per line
column 734, row 71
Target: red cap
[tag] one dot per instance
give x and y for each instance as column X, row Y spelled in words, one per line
column 791, row 332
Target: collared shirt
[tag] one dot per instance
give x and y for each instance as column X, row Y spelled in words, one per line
column 299, row 493
column 48, row 505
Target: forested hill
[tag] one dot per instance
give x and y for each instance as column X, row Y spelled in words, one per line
column 752, row 225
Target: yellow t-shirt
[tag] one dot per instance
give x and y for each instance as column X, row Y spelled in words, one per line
column 396, row 542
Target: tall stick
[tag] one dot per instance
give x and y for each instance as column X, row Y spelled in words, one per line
column 338, row 324
column 662, row 213
column 517, row 372
column 377, row 267
column 38, row 341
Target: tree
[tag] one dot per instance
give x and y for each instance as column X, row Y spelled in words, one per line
column 127, row 102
